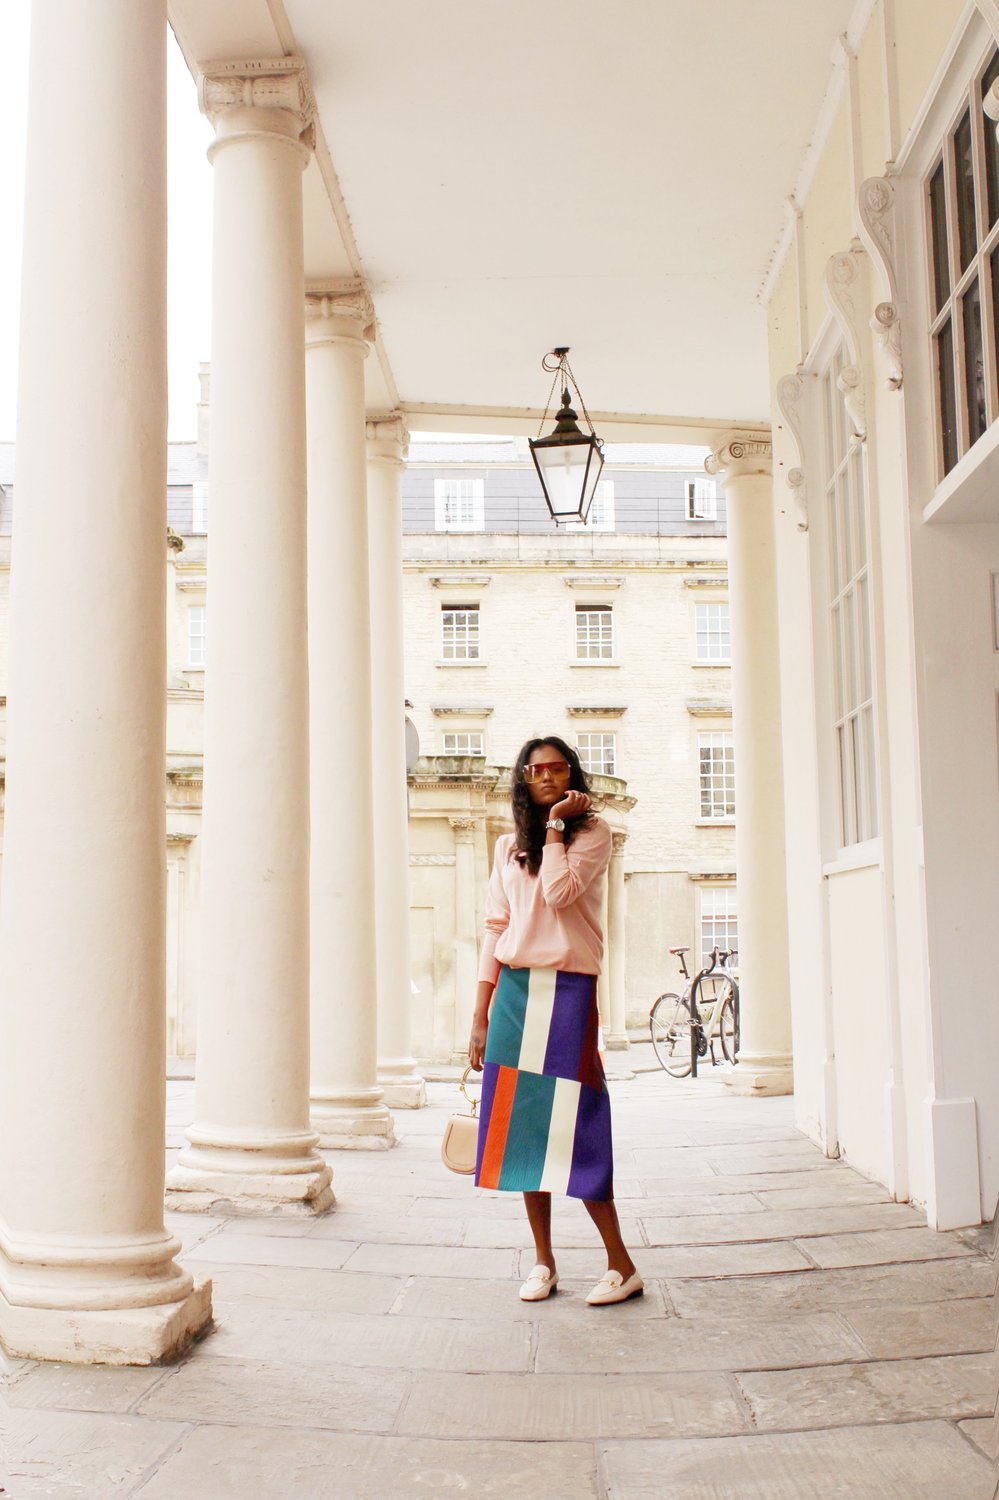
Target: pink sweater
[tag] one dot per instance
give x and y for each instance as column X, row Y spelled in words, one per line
column 550, row 920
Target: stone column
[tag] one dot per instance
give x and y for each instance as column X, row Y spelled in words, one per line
column 87, row 1270
column 743, row 466
column 348, row 1106
column 466, row 960
column 251, row 1149
column 397, row 1074
column 616, row 1034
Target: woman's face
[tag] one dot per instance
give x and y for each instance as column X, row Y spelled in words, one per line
column 547, row 775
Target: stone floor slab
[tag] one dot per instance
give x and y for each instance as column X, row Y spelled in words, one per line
column 364, row 1227
column 901, row 1390
column 273, row 1394
column 548, row 1408
column 947, row 1328
column 882, row 1247
column 291, row 1286
column 62, row 1455
column 361, row 1341
column 515, row 1234
column 267, row 1250
column 426, row 1260
column 98, row 1388
column 785, row 1224
column 598, row 1344
column 916, row 1461
column 823, row 1194
column 984, row 1433
column 234, row 1463
column 822, row 1291
column 685, row 1260
column 434, row 1297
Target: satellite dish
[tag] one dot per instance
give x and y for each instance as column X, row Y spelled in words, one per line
column 412, row 745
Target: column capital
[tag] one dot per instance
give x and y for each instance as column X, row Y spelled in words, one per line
column 336, row 306
column 464, row 829
column 258, row 96
column 388, row 437
column 618, row 840
column 739, row 454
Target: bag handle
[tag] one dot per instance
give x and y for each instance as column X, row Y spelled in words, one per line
column 473, row 1102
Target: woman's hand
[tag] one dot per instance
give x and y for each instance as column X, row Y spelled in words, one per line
column 572, row 805
column 477, row 1044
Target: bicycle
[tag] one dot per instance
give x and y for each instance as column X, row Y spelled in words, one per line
column 684, row 1027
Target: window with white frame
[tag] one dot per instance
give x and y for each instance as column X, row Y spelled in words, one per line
column 459, row 504
column 460, row 632
column 716, row 768
column 702, row 500
column 199, row 509
column 196, row 636
column 719, row 919
column 962, row 206
column 601, row 516
column 463, row 742
column 711, row 625
column 594, row 632
column 597, row 751
column 847, row 542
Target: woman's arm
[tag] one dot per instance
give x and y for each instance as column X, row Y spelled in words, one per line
column 567, row 870
column 480, row 1025
column 497, row 918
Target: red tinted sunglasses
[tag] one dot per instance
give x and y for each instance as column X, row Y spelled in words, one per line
column 556, row 768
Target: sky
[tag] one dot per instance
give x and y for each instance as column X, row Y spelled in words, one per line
column 190, row 224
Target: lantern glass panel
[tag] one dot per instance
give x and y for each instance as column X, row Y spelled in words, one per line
column 569, row 473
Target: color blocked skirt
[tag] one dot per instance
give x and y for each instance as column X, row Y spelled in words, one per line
column 545, row 1120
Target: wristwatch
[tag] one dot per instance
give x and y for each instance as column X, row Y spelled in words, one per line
column 557, row 823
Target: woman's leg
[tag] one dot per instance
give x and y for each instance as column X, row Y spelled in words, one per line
column 539, row 1213
column 604, row 1216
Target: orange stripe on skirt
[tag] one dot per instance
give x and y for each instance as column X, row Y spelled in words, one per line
column 499, row 1124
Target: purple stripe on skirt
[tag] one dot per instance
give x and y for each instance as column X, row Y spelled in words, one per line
column 592, row 1174
column 575, row 995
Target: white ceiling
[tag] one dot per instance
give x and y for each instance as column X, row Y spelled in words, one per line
column 538, row 172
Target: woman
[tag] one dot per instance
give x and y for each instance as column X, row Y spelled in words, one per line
column 545, row 1122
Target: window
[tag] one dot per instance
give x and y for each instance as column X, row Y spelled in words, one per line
column 714, row 642
column 199, row 509
column 601, row 516
column 459, row 504
column 846, row 523
column 962, row 206
column 716, row 760
column 598, row 753
column 196, row 636
column 463, row 742
column 702, row 500
column 460, row 632
column 594, row 632
column 719, row 922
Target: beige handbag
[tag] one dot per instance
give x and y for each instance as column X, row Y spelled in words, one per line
column 461, row 1135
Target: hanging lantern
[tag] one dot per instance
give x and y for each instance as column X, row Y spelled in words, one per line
column 568, row 461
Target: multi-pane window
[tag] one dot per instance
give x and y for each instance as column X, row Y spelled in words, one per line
column 594, row 632
column 463, row 742
column 716, row 763
column 199, row 508
column 459, row 504
column 601, row 516
column 598, row 753
column 196, row 636
column 460, row 632
column 847, row 524
column 701, row 499
column 714, row 641
column 962, row 195
column 719, row 919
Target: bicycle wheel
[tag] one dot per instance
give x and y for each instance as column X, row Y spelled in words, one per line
column 669, row 1025
column 727, row 1029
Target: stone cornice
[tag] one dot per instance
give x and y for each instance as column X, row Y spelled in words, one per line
column 709, row 708
column 460, row 580
column 448, row 710
column 585, row 711
column 705, row 583
column 265, row 95
column 593, row 580
column 740, row 454
column 341, row 298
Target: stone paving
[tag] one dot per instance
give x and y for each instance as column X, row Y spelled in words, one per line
column 801, row 1338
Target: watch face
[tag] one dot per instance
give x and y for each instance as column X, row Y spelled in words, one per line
column 557, row 824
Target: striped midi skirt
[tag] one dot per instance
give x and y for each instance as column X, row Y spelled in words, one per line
column 545, row 1120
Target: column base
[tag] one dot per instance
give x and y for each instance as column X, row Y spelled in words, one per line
column 761, row 1073
column 354, row 1121
column 401, row 1085
column 216, row 1190
column 109, row 1336
column 616, row 1041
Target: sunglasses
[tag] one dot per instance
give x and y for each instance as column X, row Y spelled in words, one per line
column 554, row 768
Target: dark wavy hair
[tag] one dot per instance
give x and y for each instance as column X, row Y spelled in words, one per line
column 528, row 816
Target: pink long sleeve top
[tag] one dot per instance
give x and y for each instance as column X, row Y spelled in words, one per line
column 550, row 920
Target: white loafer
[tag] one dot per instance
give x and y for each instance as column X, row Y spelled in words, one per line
column 613, row 1288
column 539, row 1285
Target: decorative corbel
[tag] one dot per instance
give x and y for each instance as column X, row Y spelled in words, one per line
column 841, row 284
column 876, row 222
column 790, row 390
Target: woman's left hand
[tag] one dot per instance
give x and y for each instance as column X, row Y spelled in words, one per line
column 572, row 805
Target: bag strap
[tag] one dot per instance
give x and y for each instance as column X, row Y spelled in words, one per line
column 473, row 1102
